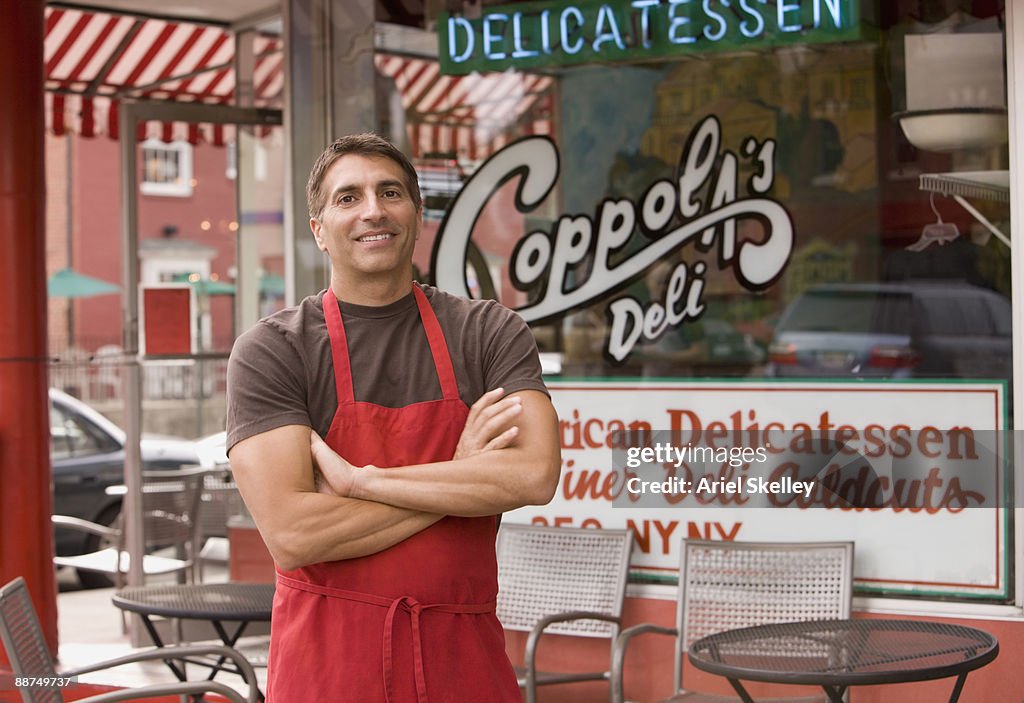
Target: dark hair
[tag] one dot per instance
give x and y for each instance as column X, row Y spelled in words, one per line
column 366, row 144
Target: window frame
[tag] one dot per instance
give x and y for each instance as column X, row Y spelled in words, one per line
column 180, row 187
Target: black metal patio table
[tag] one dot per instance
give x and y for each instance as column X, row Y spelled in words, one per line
column 216, row 603
column 837, row 654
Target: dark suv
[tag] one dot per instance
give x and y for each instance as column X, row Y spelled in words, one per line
column 940, row 329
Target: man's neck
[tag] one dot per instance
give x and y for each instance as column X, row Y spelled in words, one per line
column 372, row 293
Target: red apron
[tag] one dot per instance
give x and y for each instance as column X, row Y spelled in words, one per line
column 416, row 622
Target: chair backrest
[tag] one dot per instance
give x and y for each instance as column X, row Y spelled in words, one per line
column 547, row 570
column 221, row 501
column 22, row 637
column 726, row 585
column 171, row 502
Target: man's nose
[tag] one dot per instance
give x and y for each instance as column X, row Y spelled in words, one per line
column 373, row 208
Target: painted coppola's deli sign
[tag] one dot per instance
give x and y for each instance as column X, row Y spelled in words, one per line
column 701, row 207
column 915, row 473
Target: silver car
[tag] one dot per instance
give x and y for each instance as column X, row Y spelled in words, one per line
column 916, row 329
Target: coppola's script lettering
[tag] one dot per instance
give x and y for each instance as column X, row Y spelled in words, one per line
column 701, row 205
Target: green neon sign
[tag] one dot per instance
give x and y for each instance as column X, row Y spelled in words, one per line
column 546, row 34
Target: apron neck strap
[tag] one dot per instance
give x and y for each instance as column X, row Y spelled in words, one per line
column 339, row 348
column 438, row 347
column 435, row 339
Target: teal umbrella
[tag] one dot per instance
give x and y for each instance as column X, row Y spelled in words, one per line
column 272, row 284
column 205, row 286
column 68, row 283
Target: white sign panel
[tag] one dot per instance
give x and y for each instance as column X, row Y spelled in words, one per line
column 917, row 481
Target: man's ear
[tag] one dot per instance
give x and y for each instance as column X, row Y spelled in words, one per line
column 317, row 229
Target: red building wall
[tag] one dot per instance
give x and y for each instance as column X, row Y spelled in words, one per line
column 96, row 239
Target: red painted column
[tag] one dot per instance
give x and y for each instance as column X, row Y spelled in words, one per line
column 26, row 538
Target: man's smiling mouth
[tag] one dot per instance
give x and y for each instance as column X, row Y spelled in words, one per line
column 375, row 237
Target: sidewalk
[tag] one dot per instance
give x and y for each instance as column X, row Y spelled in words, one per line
column 90, row 630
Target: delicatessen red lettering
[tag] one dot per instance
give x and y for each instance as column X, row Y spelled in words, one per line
column 847, row 478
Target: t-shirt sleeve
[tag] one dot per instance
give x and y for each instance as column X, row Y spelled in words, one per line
column 510, row 355
column 266, row 385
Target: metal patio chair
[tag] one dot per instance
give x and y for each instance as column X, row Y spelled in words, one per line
column 221, row 501
column 26, row 649
column 561, row 580
column 171, row 502
column 728, row 585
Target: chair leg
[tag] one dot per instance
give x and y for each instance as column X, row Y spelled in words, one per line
column 119, row 583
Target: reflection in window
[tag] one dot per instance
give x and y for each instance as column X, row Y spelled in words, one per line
column 846, row 173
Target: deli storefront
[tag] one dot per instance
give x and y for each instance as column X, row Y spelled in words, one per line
column 744, row 224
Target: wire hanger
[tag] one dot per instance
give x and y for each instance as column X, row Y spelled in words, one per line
column 939, row 231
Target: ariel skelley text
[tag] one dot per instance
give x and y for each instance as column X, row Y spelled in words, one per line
column 708, row 486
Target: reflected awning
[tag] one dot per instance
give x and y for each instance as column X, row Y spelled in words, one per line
column 470, row 116
column 94, row 60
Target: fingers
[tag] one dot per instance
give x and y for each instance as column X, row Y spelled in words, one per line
column 332, row 473
column 492, row 423
column 488, row 424
column 316, row 446
column 490, row 410
column 493, row 418
column 503, row 440
column 483, row 402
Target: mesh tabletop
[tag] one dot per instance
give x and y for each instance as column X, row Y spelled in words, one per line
column 208, row 601
column 845, row 652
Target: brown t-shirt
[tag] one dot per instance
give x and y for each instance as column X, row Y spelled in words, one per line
column 281, row 371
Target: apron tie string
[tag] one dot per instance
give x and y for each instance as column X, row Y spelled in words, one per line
column 415, row 609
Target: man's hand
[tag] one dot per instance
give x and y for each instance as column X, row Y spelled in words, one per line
column 486, row 424
column 334, row 475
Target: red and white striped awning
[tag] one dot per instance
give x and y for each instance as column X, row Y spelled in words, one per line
column 95, row 59
column 469, row 116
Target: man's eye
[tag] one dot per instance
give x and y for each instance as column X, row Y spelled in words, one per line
column 392, row 194
column 346, row 199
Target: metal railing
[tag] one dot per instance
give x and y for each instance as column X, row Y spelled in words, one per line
column 98, row 377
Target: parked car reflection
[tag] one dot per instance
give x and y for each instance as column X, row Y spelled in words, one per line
column 708, row 347
column 213, row 449
column 941, row 329
column 87, row 456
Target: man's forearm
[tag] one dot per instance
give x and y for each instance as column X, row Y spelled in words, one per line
column 484, row 484
column 328, row 528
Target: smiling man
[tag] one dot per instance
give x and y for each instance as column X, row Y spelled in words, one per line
column 375, row 431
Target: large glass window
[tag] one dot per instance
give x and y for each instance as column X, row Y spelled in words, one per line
column 794, row 216
column 887, row 152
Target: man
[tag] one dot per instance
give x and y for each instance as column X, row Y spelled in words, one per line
column 383, row 530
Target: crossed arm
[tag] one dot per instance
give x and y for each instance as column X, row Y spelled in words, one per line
column 508, row 456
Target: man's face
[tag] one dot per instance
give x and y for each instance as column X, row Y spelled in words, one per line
column 369, row 225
